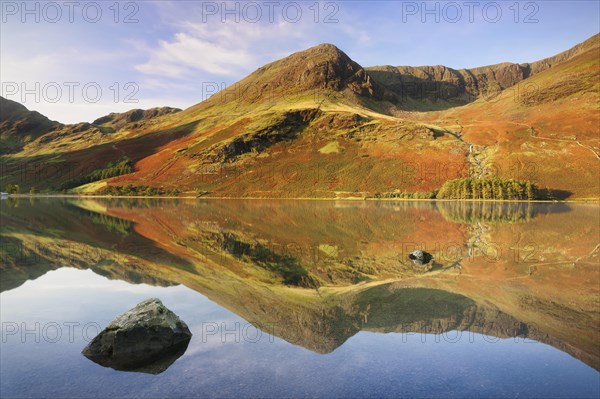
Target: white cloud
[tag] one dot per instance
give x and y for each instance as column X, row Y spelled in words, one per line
column 225, row 49
column 187, row 53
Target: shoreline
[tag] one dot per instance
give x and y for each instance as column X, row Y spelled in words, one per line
column 353, row 199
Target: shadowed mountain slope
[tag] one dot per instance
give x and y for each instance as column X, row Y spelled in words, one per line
column 435, row 87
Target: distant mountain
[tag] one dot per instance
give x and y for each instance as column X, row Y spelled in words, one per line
column 25, row 131
column 118, row 121
column 317, row 124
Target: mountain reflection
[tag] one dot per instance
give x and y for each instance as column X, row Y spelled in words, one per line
column 316, row 273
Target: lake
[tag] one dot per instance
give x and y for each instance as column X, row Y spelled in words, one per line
column 306, row 298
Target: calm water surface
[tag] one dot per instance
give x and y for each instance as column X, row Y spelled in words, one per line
column 306, row 299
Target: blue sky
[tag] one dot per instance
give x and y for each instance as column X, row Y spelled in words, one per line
column 141, row 54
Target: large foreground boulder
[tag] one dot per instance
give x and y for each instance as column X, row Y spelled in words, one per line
column 147, row 338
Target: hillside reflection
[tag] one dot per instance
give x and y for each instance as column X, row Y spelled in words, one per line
column 316, row 273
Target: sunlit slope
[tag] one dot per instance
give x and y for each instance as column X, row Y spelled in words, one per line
column 545, row 129
column 315, row 109
column 316, row 124
column 314, row 128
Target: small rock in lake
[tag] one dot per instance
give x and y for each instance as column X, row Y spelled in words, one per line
column 420, row 257
column 147, row 338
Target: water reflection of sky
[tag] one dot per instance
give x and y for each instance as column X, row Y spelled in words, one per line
column 367, row 365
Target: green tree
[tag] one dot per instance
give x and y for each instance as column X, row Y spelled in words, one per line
column 487, row 190
column 529, row 191
column 12, row 188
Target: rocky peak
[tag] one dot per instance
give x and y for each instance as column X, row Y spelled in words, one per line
column 439, row 82
column 317, row 70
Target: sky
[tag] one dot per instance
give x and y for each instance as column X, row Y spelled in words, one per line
column 75, row 61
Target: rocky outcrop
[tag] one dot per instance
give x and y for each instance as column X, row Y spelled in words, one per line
column 439, row 82
column 284, row 128
column 442, row 83
column 330, row 68
column 147, row 338
column 420, row 257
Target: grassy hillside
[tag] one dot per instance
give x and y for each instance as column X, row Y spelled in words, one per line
column 318, row 125
column 545, row 129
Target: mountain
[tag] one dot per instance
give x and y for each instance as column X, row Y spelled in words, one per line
column 435, row 87
column 28, row 132
column 18, row 125
column 316, row 124
column 118, row 121
column 320, row 69
column 546, row 128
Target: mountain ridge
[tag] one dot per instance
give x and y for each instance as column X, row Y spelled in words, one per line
column 313, row 73
column 319, row 106
column 440, row 82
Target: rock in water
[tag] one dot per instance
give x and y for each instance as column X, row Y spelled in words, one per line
column 147, row 338
column 420, row 257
